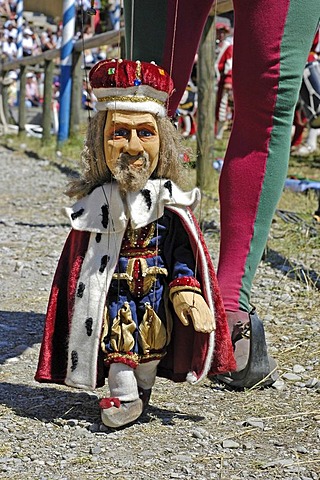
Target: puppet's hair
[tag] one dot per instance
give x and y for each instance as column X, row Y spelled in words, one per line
column 95, row 171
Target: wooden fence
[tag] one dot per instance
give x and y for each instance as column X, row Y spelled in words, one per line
column 47, row 61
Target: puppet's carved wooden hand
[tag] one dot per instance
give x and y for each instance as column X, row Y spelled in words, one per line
column 191, row 305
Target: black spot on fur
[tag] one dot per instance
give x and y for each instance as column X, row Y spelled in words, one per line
column 80, row 290
column 104, row 262
column 89, row 323
column 105, row 215
column 98, row 237
column 74, row 360
column 147, row 196
column 168, row 185
column 77, row 214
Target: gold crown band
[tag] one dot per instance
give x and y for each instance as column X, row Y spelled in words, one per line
column 123, row 98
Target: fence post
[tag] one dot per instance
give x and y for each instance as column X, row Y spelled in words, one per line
column 47, row 100
column 22, row 100
column 76, row 93
column 206, row 105
column 5, row 99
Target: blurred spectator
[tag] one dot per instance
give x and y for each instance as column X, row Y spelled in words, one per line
column 9, row 49
column 12, row 88
column 36, row 44
column 10, row 29
column 223, row 69
column 87, row 96
column 4, row 8
column 27, row 42
column 2, row 39
column 299, row 146
column 187, row 110
column 59, row 35
column 40, row 82
column 55, row 107
column 89, row 54
column 12, row 8
column 32, row 91
column 48, row 40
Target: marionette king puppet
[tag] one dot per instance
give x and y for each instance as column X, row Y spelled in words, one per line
column 135, row 294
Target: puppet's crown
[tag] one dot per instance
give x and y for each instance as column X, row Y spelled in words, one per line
column 131, row 85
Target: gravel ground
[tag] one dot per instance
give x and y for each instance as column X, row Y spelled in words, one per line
column 205, row 432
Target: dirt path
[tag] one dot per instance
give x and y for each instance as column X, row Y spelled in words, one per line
column 203, row 432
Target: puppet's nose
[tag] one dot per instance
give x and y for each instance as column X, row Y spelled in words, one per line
column 134, row 145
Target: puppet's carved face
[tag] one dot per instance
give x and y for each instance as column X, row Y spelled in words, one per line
column 131, row 142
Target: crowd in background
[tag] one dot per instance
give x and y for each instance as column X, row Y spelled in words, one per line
column 42, row 33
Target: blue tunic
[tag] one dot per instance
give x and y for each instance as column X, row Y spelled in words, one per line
column 150, row 258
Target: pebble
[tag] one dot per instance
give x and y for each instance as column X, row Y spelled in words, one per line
column 254, row 422
column 291, row 377
column 298, row 369
column 230, row 444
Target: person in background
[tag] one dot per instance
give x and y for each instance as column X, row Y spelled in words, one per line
column 32, row 91
column 27, row 42
column 10, row 29
column 48, row 41
column 9, row 49
column 4, row 8
column 223, row 69
column 301, row 144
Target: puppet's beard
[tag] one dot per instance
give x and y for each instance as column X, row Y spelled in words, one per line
column 132, row 178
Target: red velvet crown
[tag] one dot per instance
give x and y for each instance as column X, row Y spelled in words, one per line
column 131, row 85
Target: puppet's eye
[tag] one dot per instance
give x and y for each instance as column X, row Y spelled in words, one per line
column 120, row 132
column 145, row 132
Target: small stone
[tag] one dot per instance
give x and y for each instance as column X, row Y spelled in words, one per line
column 286, row 297
column 95, row 450
column 279, row 384
column 248, row 446
column 301, row 449
column 72, row 423
column 94, row 428
column 291, row 377
column 298, row 369
column 200, row 433
column 253, row 422
column 311, row 383
column 230, row 444
column 103, row 428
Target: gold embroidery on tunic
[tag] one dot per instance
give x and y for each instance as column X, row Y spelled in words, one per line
column 123, row 327
column 147, row 274
column 135, row 235
column 152, row 332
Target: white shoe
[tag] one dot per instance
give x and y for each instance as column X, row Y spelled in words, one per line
column 303, row 151
column 115, row 414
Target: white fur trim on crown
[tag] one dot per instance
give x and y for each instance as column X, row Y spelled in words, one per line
column 132, row 106
column 140, row 90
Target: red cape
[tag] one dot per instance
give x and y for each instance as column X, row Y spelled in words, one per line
column 188, row 350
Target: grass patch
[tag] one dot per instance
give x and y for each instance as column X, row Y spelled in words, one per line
column 296, row 242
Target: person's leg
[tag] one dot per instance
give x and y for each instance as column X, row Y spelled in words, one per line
column 272, row 39
column 167, row 32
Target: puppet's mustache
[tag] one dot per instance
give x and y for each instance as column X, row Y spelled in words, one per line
column 125, row 159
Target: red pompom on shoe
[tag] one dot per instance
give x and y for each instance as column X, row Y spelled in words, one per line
column 109, row 402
